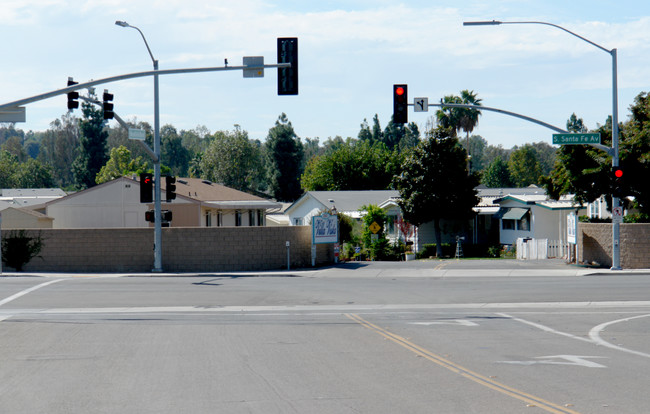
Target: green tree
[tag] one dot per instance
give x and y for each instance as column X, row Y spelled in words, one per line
column 579, row 169
column 28, row 174
column 285, row 154
column 59, row 146
column 435, row 183
column 575, row 124
column 172, row 152
column 14, row 145
column 449, row 117
column 497, row 175
column 635, row 154
column 120, row 163
column 468, row 119
column 378, row 248
column 233, row 160
column 477, row 148
column 524, row 166
column 355, row 165
column 92, row 152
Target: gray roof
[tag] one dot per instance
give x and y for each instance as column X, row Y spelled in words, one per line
column 352, row 200
column 32, row 192
column 502, row 192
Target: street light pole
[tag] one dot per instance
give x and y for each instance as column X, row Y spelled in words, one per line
column 616, row 258
column 156, row 149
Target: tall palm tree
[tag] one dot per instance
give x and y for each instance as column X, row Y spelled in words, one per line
column 468, row 118
column 449, row 117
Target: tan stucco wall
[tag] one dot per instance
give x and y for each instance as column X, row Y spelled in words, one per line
column 184, row 249
column 595, row 244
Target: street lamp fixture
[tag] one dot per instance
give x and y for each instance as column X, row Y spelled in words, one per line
column 616, row 260
column 156, row 150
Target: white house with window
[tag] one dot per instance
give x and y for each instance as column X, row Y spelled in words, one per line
column 535, row 217
column 345, row 202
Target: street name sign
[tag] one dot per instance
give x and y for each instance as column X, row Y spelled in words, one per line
column 13, row 114
column 137, row 134
column 568, row 139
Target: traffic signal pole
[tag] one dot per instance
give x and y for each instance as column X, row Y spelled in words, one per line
column 16, row 105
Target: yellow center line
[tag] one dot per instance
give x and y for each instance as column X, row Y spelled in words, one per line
column 464, row 372
column 440, row 266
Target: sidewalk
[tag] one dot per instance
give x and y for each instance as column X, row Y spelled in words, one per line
column 418, row 268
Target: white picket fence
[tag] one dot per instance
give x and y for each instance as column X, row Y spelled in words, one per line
column 540, row 249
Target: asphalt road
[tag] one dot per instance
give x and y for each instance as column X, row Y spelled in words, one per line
column 424, row 337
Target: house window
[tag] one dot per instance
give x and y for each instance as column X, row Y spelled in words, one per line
column 260, row 217
column 524, row 223
column 508, row 224
column 208, row 219
column 237, row 218
column 515, row 219
column 219, row 219
column 251, row 217
column 297, row 222
column 594, row 209
column 390, row 225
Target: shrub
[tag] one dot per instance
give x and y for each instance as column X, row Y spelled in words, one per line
column 18, row 249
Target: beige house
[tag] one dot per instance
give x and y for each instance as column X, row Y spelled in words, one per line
column 199, row 203
column 23, row 218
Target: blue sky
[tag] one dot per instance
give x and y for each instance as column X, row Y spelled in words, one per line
column 351, row 53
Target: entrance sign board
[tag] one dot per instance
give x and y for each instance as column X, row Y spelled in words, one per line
column 324, row 229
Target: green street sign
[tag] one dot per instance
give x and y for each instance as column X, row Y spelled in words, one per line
column 567, row 139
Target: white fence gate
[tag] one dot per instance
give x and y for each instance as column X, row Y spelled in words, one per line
column 540, row 249
column 532, row 249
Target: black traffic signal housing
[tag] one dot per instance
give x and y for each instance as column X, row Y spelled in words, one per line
column 146, row 188
column 400, row 104
column 170, row 188
column 288, row 77
column 107, row 105
column 150, row 215
column 618, row 190
column 73, row 103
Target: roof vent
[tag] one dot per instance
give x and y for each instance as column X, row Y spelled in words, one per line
column 182, row 181
column 208, row 182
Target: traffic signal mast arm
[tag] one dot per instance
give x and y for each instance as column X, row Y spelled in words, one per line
column 124, row 125
column 132, row 76
column 601, row 147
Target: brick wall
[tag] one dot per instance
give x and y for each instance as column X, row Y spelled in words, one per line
column 185, row 249
column 595, row 244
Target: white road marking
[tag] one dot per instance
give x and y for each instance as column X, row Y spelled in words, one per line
column 545, row 328
column 594, row 334
column 553, row 360
column 462, row 322
column 26, row 291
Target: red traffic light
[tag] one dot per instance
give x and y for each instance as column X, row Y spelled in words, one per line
column 399, row 91
column 618, row 172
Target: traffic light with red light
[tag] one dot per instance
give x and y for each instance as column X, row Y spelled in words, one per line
column 617, row 182
column 150, row 216
column 73, row 103
column 400, row 104
column 146, row 188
